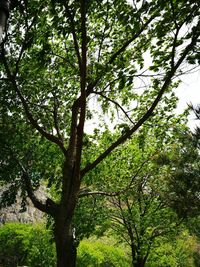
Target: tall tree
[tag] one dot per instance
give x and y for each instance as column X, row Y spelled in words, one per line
column 55, row 57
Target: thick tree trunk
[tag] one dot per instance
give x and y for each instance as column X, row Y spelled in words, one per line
column 65, row 245
column 138, row 262
column 66, row 253
column 63, row 232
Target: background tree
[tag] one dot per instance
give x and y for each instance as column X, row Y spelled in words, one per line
column 55, row 57
column 142, row 214
column 183, row 181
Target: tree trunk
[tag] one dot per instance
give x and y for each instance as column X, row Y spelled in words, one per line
column 65, row 245
column 66, row 248
column 138, row 262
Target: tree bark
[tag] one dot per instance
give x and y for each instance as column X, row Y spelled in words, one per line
column 65, row 246
column 139, row 262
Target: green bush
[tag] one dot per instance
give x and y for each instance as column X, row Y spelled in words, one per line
column 174, row 253
column 12, row 251
column 22, row 244
column 98, row 254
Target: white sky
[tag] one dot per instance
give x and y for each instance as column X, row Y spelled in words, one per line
column 188, row 92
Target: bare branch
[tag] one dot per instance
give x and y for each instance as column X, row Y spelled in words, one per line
column 50, row 206
column 103, row 35
column 78, row 119
column 79, row 106
column 24, row 45
column 127, row 224
column 173, row 14
column 130, row 214
column 55, row 116
column 83, row 79
column 37, row 204
column 86, row 192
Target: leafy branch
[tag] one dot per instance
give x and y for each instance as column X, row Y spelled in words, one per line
column 27, row 111
column 149, row 112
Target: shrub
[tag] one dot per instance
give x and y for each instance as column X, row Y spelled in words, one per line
column 174, row 253
column 98, row 254
column 22, row 244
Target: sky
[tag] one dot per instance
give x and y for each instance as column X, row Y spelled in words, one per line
column 188, row 92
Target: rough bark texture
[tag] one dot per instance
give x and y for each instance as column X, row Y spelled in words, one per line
column 65, row 245
column 66, row 251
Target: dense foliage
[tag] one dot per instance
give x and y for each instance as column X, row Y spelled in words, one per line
column 153, row 189
column 26, row 245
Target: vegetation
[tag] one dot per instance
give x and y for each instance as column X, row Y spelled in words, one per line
column 32, row 246
column 22, row 244
column 158, row 181
column 175, row 252
column 97, row 254
column 67, row 63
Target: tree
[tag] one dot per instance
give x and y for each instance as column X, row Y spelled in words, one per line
column 174, row 252
column 183, row 181
column 162, row 191
column 54, row 58
column 141, row 219
column 140, row 216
